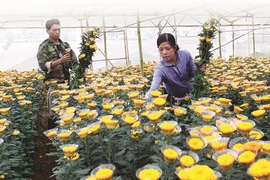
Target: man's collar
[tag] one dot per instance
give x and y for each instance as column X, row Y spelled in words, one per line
column 51, row 41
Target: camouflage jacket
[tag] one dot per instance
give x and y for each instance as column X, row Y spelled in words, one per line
column 48, row 52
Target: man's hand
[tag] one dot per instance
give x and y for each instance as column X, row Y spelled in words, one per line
column 203, row 67
column 65, row 58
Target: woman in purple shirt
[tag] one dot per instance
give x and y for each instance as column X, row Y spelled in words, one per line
column 175, row 69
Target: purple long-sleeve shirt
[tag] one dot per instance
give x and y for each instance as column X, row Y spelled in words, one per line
column 175, row 78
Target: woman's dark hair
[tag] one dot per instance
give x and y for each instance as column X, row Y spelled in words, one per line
column 169, row 38
column 51, row 22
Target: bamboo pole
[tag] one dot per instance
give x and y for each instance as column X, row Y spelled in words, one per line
column 233, row 40
column 105, row 42
column 140, row 41
column 253, row 37
column 126, row 47
column 219, row 44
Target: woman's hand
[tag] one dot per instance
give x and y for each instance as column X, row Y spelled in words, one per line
column 203, row 68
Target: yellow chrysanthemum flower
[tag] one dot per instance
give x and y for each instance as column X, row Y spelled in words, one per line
column 198, row 110
column 150, row 174
column 83, row 133
column 183, row 174
column 196, row 144
column 130, row 120
column 111, row 124
column 226, row 129
column 201, row 172
column 154, row 116
column 260, row 169
column 219, row 145
column 207, row 117
column 167, row 128
column 155, row 94
column 244, row 127
column 117, row 111
column 179, row 112
column 244, row 106
column 258, row 114
column 170, row 155
column 247, row 157
column 237, row 109
column 83, row 114
column 255, row 135
column 266, row 147
column 187, row 161
column 136, row 124
column 206, row 130
column 63, row 136
column 159, row 102
column 133, row 95
column 136, row 135
column 254, row 144
column 225, row 161
column 241, row 117
column 69, row 150
column 51, row 134
column 15, row 132
column 107, row 107
column 104, row 174
column 238, row 147
column 224, row 101
column 139, row 102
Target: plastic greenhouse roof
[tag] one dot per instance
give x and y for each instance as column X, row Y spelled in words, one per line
column 33, row 14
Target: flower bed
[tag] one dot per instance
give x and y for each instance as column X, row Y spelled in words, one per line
column 106, row 121
column 20, row 100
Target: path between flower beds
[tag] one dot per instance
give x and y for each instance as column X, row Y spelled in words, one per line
column 43, row 163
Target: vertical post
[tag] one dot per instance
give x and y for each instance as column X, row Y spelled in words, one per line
column 248, row 42
column 159, row 28
column 219, row 43
column 233, row 40
column 253, row 37
column 105, row 42
column 126, row 44
column 175, row 28
column 126, row 47
column 81, row 25
column 139, row 41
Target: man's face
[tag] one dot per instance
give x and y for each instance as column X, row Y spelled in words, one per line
column 54, row 32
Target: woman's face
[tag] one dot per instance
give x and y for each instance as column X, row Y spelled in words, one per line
column 167, row 52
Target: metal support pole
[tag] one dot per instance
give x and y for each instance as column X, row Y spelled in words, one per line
column 126, row 47
column 219, row 44
column 253, row 37
column 233, row 40
column 248, row 42
column 105, row 42
column 81, row 25
column 140, row 41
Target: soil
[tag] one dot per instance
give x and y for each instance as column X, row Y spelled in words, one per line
column 43, row 163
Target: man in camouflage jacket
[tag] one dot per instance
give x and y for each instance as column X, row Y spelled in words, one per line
column 55, row 57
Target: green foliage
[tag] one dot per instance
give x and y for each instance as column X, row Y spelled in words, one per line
column 200, row 85
column 16, row 152
column 87, row 50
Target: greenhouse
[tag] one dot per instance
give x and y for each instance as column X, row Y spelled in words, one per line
column 135, row 90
